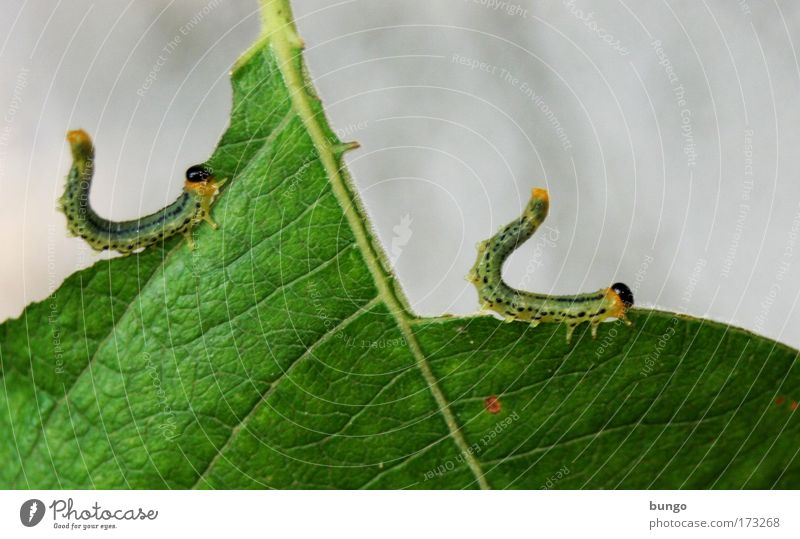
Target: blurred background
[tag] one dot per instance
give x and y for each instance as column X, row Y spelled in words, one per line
column 666, row 132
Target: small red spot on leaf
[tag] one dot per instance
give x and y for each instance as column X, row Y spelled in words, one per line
column 779, row 401
column 793, row 406
column 493, row 405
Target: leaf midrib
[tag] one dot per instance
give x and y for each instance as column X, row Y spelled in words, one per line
column 279, row 28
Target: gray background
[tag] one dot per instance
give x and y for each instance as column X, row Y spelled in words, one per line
column 461, row 106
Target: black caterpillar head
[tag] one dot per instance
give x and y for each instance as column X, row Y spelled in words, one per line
column 624, row 294
column 197, row 173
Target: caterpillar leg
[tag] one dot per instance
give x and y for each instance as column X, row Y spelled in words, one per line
column 190, row 240
column 570, row 331
column 595, row 325
column 207, row 218
column 205, row 204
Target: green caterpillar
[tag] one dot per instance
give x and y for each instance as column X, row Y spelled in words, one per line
column 192, row 207
column 533, row 308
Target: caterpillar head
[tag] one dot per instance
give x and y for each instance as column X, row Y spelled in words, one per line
column 197, row 173
column 624, row 293
column 200, row 180
column 621, row 299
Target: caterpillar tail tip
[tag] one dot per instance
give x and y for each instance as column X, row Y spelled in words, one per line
column 78, row 136
column 540, row 194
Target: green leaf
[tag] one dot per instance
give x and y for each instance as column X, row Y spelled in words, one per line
column 282, row 353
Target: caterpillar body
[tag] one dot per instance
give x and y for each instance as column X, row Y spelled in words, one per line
column 192, row 206
column 513, row 304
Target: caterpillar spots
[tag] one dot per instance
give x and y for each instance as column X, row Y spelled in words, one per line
column 192, row 207
column 530, row 307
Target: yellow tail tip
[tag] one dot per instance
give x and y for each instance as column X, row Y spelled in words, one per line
column 78, row 136
column 540, row 194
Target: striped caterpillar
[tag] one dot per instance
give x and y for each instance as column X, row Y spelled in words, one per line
column 534, row 308
column 192, row 207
